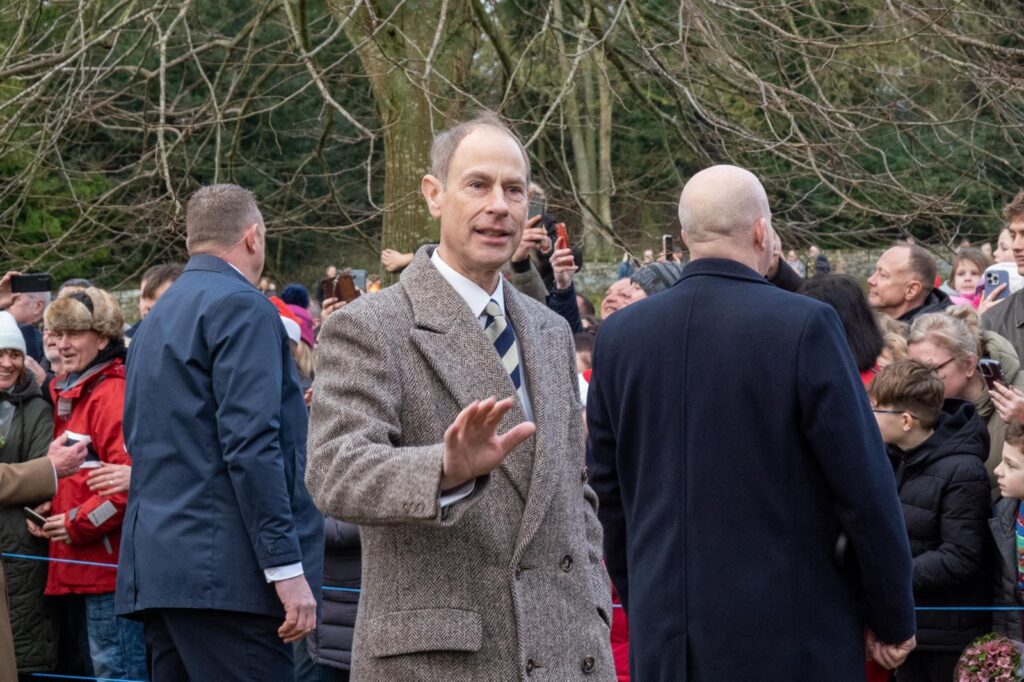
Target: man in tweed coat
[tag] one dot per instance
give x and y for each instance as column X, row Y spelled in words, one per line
column 481, row 552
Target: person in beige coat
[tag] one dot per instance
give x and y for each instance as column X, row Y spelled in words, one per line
column 458, row 449
column 24, row 483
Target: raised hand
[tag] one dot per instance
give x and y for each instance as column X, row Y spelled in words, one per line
column 563, row 265
column 534, row 238
column 472, row 446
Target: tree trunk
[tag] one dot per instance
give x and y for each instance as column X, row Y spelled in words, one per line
column 409, row 62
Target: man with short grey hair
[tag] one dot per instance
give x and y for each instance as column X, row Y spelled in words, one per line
column 446, row 423
column 752, row 526
column 222, row 546
column 27, row 309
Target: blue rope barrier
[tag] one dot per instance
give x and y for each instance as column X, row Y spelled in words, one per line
column 78, row 677
column 355, row 590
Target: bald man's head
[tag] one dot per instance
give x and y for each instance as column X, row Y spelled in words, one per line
column 721, row 202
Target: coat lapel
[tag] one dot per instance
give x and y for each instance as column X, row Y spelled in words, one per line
column 455, row 347
column 542, row 362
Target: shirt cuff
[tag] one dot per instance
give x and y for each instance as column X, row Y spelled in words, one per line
column 278, row 573
column 56, row 478
column 462, row 492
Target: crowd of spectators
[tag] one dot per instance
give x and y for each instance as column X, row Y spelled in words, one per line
column 939, row 362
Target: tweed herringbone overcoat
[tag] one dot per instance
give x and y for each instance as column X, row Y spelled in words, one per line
column 505, row 584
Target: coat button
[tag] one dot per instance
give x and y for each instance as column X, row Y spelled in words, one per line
column 584, row 476
column 587, row 665
column 530, row 666
column 566, row 563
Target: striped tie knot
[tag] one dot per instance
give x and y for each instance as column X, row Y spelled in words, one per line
column 501, row 334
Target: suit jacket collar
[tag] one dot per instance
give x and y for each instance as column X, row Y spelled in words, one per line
column 451, row 340
column 211, row 263
column 721, row 267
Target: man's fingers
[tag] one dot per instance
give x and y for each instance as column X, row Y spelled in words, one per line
column 515, row 436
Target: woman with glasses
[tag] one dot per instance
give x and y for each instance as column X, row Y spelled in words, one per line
column 952, row 343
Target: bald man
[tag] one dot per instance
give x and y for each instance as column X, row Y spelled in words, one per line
column 752, row 526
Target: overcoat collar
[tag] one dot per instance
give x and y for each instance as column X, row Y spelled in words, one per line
column 721, row 267
column 454, row 345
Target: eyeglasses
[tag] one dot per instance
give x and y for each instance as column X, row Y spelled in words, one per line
column 936, row 368
column 912, row 415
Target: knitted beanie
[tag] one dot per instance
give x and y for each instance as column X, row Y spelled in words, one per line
column 91, row 308
column 10, row 335
column 658, row 276
column 295, row 294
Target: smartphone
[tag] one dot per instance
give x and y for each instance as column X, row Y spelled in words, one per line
column 26, row 284
column 666, row 246
column 537, row 207
column 991, row 372
column 993, row 278
column 562, row 238
column 345, row 288
column 33, row 516
column 92, row 458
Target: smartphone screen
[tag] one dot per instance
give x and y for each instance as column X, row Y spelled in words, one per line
column 34, row 517
column 24, row 284
column 537, row 207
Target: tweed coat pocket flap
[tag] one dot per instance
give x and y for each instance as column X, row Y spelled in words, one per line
column 423, row 630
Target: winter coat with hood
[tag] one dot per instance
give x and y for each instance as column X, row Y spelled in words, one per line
column 944, row 491
column 32, row 619
column 92, row 405
column 998, row 348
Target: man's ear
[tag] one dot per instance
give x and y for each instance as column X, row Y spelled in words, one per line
column 914, row 289
column 432, row 189
column 908, row 422
column 252, row 236
column 763, row 235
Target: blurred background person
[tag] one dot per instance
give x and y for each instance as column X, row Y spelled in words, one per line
column 155, row 281
column 863, row 336
column 27, row 310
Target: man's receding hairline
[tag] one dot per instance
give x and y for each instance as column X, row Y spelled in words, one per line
column 507, row 133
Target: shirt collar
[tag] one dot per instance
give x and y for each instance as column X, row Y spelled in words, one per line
column 475, row 297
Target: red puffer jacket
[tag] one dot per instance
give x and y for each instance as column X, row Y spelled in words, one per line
column 92, row 407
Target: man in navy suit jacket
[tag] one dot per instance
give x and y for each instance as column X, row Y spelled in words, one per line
column 221, row 541
column 752, row 526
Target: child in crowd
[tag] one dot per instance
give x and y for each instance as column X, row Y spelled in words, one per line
column 938, row 450
column 965, row 277
column 1007, row 526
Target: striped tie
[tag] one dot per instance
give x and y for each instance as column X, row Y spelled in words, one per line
column 504, row 339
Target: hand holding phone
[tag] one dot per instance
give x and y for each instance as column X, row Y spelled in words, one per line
column 993, row 280
column 991, row 372
column 34, row 517
column 562, row 238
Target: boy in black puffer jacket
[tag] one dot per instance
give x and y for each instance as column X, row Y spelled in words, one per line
column 938, row 450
